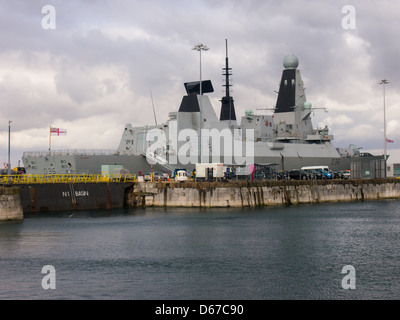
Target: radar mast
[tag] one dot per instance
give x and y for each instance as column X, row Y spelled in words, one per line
column 227, row 106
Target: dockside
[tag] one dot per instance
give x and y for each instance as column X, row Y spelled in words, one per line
column 42, row 193
column 10, row 204
column 259, row 193
column 51, row 194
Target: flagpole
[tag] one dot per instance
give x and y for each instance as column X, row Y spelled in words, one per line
column 384, row 82
column 50, row 139
column 9, row 161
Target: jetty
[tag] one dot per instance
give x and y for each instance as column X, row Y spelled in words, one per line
column 10, row 204
column 42, row 193
column 258, row 193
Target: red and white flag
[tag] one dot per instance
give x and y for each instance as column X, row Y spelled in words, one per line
column 58, row 132
column 389, row 141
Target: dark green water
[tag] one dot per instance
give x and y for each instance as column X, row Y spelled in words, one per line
column 270, row 253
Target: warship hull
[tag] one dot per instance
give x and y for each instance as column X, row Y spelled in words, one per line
column 74, row 162
column 286, row 157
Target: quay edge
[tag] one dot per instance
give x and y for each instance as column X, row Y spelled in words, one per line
column 46, row 197
column 35, row 198
column 259, row 193
column 10, row 204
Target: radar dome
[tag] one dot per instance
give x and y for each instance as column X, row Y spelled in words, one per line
column 307, row 105
column 291, row 62
column 248, row 112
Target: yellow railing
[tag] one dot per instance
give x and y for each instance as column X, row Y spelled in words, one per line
column 65, row 178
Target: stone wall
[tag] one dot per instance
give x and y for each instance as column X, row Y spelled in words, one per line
column 10, row 204
column 265, row 193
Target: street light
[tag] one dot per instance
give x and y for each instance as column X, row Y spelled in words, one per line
column 9, row 162
column 384, row 82
column 200, row 47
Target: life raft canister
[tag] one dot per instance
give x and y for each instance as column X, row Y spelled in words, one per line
column 266, row 123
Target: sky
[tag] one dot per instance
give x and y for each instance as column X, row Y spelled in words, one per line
column 91, row 67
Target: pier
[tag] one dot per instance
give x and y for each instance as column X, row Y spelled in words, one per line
column 259, row 193
column 10, row 204
column 60, row 192
column 41, row 193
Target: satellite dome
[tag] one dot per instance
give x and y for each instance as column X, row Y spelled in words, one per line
column 248, row 112
column 291, row 62
column 307, row 105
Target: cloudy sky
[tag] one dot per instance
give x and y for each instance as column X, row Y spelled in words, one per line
column 104, row 61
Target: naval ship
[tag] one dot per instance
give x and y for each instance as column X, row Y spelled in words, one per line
column 286, row 139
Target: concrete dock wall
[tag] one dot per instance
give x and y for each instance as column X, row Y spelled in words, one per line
column 10, row 204
column 265, row 193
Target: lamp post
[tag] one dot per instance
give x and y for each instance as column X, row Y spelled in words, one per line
column 9, row 162
column 384, row 82
column 200, row 47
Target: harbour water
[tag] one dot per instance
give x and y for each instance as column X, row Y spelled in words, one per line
column 295, row 252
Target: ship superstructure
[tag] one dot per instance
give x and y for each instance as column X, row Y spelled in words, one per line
column 286, row 139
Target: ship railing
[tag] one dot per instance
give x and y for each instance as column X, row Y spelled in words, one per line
column 67, row 152
column 65, row 178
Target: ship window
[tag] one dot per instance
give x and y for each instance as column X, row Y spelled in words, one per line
column 285, row 83
column 293, row 82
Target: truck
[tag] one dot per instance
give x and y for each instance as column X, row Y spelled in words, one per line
column 209, row 171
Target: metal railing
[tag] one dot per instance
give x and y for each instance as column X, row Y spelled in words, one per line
column 65, row 178
column 70, row 152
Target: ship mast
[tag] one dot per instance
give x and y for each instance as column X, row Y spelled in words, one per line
column 227, row 71
column 227, row 108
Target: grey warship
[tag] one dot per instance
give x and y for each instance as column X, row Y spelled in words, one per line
column 286, row 139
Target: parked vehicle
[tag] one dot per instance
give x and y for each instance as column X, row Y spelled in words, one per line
column 181, row 176
column 298, row 174
column 327, row 174
column 316, row 175
column 345, row 174
column 281, row 175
